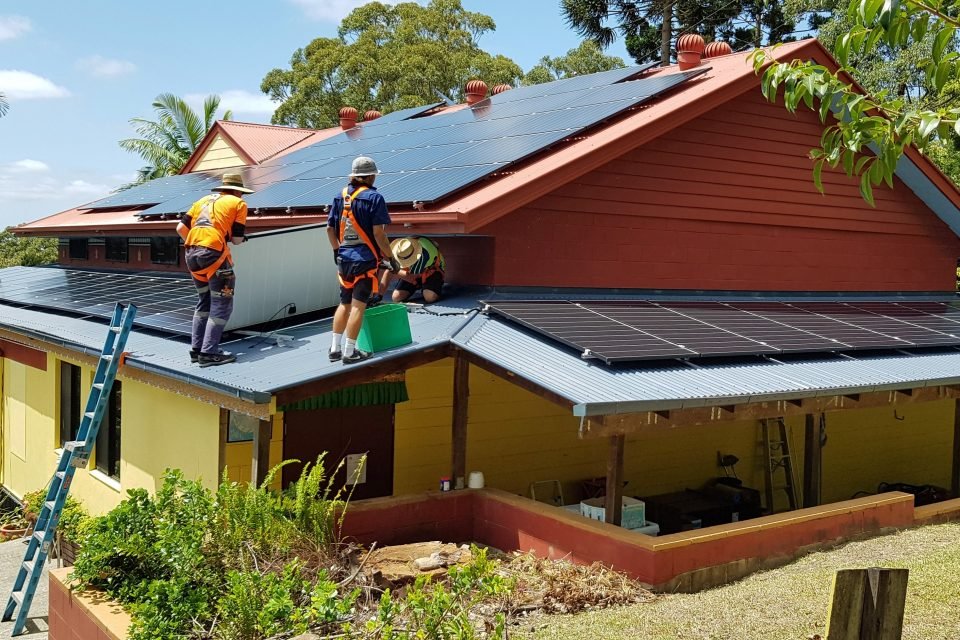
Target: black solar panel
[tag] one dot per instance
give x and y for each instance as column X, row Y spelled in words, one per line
column 164, row 303
column 156, row 191
column 501, row 130
column 651, row 330
column 402, row 114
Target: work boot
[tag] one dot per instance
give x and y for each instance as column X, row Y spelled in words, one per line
column 335, row 355
column 374, row 300
column 356, row 356
column 215, row 359
column 194, row 356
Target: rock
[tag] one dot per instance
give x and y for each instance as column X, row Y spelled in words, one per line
column 430, row 563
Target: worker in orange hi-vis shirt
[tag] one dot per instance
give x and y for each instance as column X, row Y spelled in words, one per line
column 208, row 228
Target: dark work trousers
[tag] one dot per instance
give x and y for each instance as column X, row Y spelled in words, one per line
column 216, row 299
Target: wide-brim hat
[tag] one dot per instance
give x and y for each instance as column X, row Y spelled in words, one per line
column 406, row 251
column 232, row 182
column 363, row 166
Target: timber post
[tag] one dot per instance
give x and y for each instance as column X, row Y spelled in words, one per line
column 867, row 604
column 261, row 452
column 614, row 499
column 812, row 461
column 461, row 399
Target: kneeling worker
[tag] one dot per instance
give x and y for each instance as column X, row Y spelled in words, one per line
column 356, row 228
column 207, row 229
column 421, row 268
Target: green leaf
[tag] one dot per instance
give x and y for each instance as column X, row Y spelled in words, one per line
column 817, row 170
column 943, row 74
column 842, row 49
column 869, row 9
column 919, row 28
column 928, row 123
column 940, row 42
column 847, row 160
column 866, row 189
column 859, row 166
column 956, row 127
column 825, row 102
column 890, row 9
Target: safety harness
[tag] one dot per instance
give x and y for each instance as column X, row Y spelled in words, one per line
column 348, row 282
column 204, row 220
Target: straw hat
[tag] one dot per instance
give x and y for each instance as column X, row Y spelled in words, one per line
column 407, row 251
column 232, row 182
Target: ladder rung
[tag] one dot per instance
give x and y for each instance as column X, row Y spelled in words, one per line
column 50, row 504
column 107, row 357
column 74, row 445
column 90, row 414
column 61, row 474
column 17, row 597
column 116, row 329
column 39, row 535
column 28, row 566
column 98, row 386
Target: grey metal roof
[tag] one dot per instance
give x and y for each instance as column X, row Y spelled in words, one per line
column 262, row 367
column 596, row 389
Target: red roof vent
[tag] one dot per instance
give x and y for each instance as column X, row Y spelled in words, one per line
column 348, row 118
column 690, row 48
column 500, row 88
column 476, row 91
column 717, row 48
column 372, row 114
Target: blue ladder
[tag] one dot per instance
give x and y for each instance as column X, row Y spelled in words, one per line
column 76, row 454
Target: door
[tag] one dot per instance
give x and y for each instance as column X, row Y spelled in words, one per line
column 344, row 434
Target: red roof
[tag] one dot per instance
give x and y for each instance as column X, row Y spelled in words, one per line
column 728, row 76
column 257, row 143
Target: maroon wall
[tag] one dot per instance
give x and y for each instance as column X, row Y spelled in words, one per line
column 726, row 202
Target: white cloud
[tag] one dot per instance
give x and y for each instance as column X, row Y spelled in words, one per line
column 82, row 187
column 13, row 26
column 333, row 10
column 27, row 165
column 24, row 85
column 237, row 100
column 105, row 67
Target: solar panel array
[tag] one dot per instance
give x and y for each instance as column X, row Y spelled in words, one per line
column 652, row 330
column 164, row 303
column 425, row 159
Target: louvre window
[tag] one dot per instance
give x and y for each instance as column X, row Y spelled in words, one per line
column 117, row 249
column 79, row 248
column 165, row 250
column 69, row 401
column 108, row 437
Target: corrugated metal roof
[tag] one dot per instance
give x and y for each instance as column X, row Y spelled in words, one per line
column 262, row 368
column 262, row 142
column 596, row 389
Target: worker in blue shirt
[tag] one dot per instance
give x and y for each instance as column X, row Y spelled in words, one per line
column 356, row 228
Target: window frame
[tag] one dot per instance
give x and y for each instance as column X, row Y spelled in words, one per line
column 155, row 240
column 113, row 240
column 108, row 446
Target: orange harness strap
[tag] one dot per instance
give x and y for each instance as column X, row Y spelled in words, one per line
column 206, row 273
column 348, row 213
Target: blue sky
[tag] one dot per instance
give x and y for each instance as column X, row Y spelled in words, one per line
column 76, row 72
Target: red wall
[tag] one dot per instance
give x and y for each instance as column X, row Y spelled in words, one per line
column 138, row 259
column 726, row 202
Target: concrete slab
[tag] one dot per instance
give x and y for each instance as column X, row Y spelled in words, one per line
column 11, row 555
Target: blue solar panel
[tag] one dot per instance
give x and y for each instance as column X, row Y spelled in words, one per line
column 402, row 114
column 470, row 142
column 156, row 191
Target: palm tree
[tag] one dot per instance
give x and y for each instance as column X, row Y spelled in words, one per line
column 4, row 105
column 167, row 143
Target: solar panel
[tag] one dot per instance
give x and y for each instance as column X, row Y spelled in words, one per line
column 507, row 128
column 402, row 114
column 164, row 303
column 156, row 191
column 623, row 331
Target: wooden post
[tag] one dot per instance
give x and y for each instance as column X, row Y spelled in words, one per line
column 955, row 471
column 461, row 399
column 261, row 452
column 812, row 461
column 222, row 443
column 614, row 502
column 867, row 604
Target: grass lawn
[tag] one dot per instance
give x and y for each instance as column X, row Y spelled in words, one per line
column 790, row 602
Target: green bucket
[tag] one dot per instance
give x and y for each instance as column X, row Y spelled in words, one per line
column 384, row 327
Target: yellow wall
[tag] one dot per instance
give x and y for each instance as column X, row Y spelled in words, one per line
column 516, row 438
column 219, row 155
column 160, row 429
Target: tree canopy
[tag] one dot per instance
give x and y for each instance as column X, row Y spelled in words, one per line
column 908, row 53
column 387, row 57
column 28, row 252
column 166, row 143
column 586, row 58
column 649, row 27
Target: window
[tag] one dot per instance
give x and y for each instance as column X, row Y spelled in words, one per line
column 165, row 250
column 241, row 427
column 108, row 437
column 79, row 248
column 69, row 401
column 117, row 249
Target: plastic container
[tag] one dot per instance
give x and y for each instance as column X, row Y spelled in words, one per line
column 633, row 515
column 384, row 327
